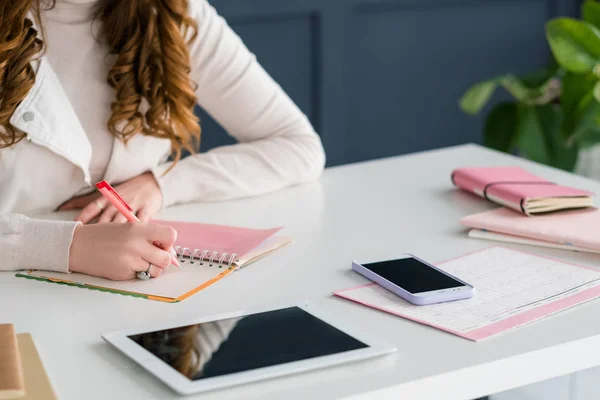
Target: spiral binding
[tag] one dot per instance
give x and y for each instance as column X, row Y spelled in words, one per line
column 185, row 254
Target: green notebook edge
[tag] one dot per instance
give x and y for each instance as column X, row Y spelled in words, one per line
column 83, row 286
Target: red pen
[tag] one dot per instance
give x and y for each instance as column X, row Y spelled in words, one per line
column 116, row 200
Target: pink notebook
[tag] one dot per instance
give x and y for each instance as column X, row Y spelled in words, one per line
column 513, row 288
column 579, row 228
column 208, row 253
column 221, row 239
column 520, row 190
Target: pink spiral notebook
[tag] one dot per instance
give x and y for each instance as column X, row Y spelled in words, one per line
column 225, row 244
column 208, row 253
column 513, row 289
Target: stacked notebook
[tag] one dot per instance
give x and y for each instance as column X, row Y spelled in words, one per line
column 208, row 253
column 577, row 230
column 520, row 190
column 22, row 374
column 537, row 212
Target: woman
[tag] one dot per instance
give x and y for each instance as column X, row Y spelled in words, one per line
column 105, row 89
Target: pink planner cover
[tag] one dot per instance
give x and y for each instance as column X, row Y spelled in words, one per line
column 219, row 238
column 513, row 288
column 510, row 186
column 579, row 228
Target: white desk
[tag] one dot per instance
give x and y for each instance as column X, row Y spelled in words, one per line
column 369, row 210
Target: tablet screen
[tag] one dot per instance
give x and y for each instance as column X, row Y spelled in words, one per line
column 245, row 343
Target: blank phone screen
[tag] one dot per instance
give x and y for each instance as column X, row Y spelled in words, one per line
column 412, row 275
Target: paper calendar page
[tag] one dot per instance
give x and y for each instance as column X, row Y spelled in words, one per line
column 512, row 288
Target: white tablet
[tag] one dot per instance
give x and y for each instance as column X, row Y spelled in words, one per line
column 201, row 354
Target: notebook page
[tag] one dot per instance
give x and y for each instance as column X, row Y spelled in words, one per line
column 220, row 238
column 263, row 249
column 172, row 283
column 513, row 288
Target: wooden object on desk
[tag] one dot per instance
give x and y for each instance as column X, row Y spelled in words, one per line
column 37, row 383
column 12, row 385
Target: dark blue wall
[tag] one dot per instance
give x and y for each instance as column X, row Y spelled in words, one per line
column 383, row 77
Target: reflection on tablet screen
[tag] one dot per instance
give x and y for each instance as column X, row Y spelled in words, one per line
column 227, row 346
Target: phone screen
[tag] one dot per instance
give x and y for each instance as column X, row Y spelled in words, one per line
column 412, row 275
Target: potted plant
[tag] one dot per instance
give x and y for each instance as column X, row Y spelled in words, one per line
column 555, row 112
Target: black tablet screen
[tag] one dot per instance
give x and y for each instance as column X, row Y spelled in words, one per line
column 249, row 342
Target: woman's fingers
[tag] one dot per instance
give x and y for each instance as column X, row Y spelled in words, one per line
column 77, row 203
column 119, row 218
column 68, row 205
column 143, row 265
column 161, row 261
column 119, row 251
column 143, row 215
column 157, row 256
column 91, row 211
column 107, row 215
column 155, row 271
column 164, row 235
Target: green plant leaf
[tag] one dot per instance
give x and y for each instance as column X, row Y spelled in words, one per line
column 574, row 88
column 588, row 137
column 590, row 11
column 587, row 131
column 529, row 95
column 575, row 44
column 597, row 91
column 514, row 86
column 539, row 137
column 500, row 128
column 540, row 78
column 576, row 102
column 477, row 96
column 531, row 140
column 562, row 154
column 582, row 127
column 567, row 159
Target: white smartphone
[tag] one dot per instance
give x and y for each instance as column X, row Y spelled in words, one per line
column 415, row 280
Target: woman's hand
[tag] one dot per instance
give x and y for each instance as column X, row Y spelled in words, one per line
column 141, row 193
column 119, row 251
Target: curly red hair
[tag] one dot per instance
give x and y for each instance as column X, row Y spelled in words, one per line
column 149, row 39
